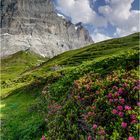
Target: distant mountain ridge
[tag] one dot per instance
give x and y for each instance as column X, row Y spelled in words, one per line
column 35, row 25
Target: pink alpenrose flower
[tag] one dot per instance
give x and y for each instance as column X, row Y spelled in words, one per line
column 120, row 108
column 127, row 107
column 89, row 137
column 125, row 84
column 121, row 114
column 97, row 92
column 120, row 91
column 138, row 104
column 124, row 124
column 134, row 122
column 102, row 132
column 122, row 100
column 109, row 95
column 94, row 126
column 116, row 100
column 133, row 116
column 111, row 100
column 43, row 137
column 114, row 111
column 131, row 138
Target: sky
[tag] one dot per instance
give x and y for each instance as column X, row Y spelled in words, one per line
column 104, row 19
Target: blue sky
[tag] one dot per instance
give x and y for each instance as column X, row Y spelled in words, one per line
column 104, row 19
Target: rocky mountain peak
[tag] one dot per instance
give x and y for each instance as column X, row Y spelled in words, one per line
column 35, row 25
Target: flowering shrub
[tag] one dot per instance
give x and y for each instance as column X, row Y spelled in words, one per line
column 109, row 105
column 97, row 107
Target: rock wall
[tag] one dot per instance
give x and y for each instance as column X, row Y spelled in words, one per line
column 35, row 25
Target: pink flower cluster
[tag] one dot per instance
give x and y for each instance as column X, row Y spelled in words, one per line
column 97, row 92
column 138, row 104
column 115, row 98
column 120, row 108
column 89, row 137
column 119, row 112
column 115, row 112
column 120, row 91
column 131, row 138
column 102, row 132
column 120, row 100
column 43, row 137
column 89, row 114
column 124, row 124
column 94, row 126
column 127, row 107
column 133, row 116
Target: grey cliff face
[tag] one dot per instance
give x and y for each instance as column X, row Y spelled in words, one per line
column 34, row 25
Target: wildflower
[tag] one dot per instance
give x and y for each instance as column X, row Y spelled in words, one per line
column 97, row 92
column 121, row 114
column 127, row 107
column 110, row 100
column 122, row 100
column 120, row 91
column 94, row 126
column 133, row 116
column 136, row 88
column 114, row 87
column 115, row 100
column 125, row 84
column 43, row 137
column 138, row 104
column 109, row 95
column 124, row 125
column 138, row 81
column 114, row 111
column 117, row 94
column 89, row 137
column 120, row 108
column 102, row 132
column 131, row 138
column 134, row 122
column 90, row 113
column 88, row 87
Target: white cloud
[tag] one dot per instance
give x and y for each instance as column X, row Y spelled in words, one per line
column 80, row 11
column 119, row 14
column 97, row 36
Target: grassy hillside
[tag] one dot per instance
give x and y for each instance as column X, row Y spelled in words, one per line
column 13, row 66
column 89, row 53
column 68, row 97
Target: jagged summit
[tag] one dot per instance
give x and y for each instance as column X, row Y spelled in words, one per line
column 35, row 25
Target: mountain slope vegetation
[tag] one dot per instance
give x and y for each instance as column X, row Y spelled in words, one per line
column 89, row 93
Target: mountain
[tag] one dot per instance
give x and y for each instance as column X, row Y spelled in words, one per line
column 67, row 97
column 35, row 25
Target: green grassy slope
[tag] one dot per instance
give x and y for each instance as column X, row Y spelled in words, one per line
column 19, row 120
column 47, row 90
column 91, row 52
column 13, row 66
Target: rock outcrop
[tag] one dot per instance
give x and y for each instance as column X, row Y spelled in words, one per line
column 35, row 25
